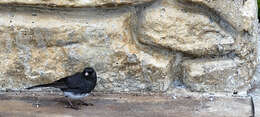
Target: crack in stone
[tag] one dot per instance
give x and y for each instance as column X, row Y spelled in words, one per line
column 253, row 106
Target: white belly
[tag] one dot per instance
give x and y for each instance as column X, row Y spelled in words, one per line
column 75, row 96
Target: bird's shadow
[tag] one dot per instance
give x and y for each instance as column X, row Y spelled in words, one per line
column 61, row 101
column 45, row 102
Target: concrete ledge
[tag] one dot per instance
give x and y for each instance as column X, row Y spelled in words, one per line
column 119, row 105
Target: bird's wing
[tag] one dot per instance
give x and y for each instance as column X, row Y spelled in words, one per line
column 78, row 82
column 67, row 82
column 74, row 83
column 61, row 83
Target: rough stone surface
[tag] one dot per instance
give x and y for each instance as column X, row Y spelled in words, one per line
column 42, row 48
column 256, row 101
column 256, row 77
column 255, row 94
column 211, row 75
column 257, row 106
column 218, row 33
column 239, row 13
column 143, row 45
column 166, row 24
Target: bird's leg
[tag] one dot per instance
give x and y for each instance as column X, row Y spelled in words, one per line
column 92, row 94
column 85, row 103
column 71, row 105
column 37, row 104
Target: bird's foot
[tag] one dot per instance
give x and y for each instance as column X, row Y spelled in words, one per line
column 92, row 94
column 85, row 103
column 72, row 107
column 37, row 104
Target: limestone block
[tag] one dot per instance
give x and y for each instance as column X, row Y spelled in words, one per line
column 209, row 33
column 167, row 25
column 41, row 45
column 214, row 75
column 241, row 14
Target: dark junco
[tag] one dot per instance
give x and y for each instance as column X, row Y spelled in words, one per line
column 76, row 86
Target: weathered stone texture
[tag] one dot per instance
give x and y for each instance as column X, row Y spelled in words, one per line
column 135, row 45
column 168, row 25
column 212, row 75
column 220, row 32
column 42, row 48
column 239, row 13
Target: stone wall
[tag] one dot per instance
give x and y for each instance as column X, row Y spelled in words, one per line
column 134, row 45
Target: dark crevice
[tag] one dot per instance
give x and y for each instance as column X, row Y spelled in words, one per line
column 62, row 44
column 252, row 107
column 109, row 5
column 43, row 9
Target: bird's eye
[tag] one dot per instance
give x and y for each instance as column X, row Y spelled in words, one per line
column 86, row 74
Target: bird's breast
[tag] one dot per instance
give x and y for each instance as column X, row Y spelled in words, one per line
column 75, row 96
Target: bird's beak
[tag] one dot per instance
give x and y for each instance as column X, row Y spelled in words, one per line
column 86, row 74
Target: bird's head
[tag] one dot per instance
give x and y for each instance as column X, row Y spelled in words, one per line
column 89, row 71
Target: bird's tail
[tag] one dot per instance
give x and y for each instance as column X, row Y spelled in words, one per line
column 38, row 86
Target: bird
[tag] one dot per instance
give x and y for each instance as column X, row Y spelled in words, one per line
column 76, row 86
